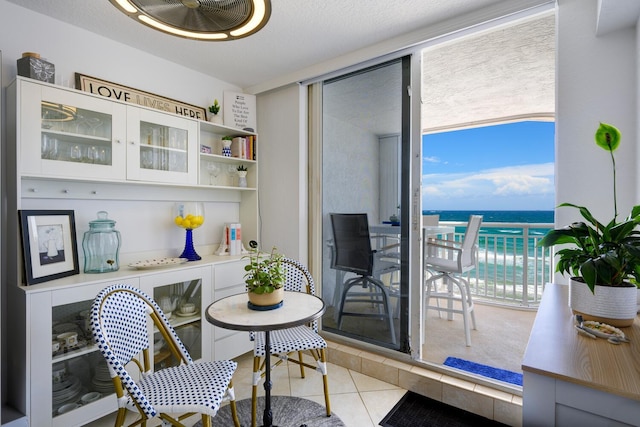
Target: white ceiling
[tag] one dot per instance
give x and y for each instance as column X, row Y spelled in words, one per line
column 299, row 35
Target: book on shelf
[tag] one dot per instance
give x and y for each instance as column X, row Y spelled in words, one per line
column 244, row 147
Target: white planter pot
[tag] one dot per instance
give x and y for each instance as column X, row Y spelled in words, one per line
column 615, row 306
column 215, row 118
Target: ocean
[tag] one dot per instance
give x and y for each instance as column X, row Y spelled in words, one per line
column 495, row 216
column 502, row 249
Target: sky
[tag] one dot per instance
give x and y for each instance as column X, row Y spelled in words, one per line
column 503, row 167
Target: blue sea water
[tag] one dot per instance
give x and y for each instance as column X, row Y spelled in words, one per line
column 498, row 244
column 495, row 216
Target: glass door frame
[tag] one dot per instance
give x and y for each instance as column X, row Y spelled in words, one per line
column 409, row 233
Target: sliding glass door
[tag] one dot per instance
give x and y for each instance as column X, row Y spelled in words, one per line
column 365, row 200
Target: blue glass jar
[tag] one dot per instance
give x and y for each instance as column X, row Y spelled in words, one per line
column 101, row 245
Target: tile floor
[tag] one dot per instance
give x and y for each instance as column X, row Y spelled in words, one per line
column 359, row 400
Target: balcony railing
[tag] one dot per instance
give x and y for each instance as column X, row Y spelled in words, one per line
column 511, row 268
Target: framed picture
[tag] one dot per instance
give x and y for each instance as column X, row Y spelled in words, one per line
column 49, row 245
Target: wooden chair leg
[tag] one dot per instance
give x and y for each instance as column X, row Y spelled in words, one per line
column 301, row 365
column 325, row 380
column 254, row 390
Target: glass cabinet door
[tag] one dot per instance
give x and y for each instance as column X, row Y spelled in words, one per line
column 79, row 373
column 180, row 302
column 161, row 147
column 71, row 134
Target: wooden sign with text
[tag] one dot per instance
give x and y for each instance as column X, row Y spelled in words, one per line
column 139, row 97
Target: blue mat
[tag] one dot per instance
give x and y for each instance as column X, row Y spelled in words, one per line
column 485, row 370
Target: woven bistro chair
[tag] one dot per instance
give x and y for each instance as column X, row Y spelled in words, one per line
column 285, row 342
column 119, row 321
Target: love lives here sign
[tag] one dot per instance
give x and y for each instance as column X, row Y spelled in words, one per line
column 139, row 97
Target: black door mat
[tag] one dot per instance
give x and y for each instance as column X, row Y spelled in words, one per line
column 415, row 410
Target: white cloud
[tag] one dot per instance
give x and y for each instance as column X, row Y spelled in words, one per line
column 515, row 182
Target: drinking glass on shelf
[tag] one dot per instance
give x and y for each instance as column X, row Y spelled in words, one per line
column 214, row 171
column 76, row 153
column 92, row 155
column 93, row 123
column 49, row 148
column 146, row 159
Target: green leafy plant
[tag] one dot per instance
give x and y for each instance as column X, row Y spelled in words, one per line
column 227, row 138
column 215, row 108
column 264, row 272
column 603, row 254
column 241, row 168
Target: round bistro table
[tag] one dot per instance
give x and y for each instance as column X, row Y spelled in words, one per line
column 233, row 313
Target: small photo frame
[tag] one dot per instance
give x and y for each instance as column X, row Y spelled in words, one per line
column 49, row 245
column 205, row 149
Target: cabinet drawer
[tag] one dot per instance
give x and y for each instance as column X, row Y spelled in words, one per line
column 228, row 275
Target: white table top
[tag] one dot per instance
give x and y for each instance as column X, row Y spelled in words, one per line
column 232, row 312
column 430, row 230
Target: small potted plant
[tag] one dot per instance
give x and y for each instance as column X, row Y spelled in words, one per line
column 265, row 278
column 214, row 110
column 226, row 145
column 604, row 259
column 242, row 175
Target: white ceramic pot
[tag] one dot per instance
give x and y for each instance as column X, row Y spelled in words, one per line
column 616, row 306
column 264, row 300
column 215, row 118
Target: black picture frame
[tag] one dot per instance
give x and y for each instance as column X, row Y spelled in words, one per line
column 49, row 245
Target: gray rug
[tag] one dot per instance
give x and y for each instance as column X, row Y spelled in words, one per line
column 287, row 411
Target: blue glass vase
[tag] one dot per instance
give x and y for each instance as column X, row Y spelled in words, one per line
column 189, row 251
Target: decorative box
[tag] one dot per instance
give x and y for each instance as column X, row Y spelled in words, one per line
column 32, row 66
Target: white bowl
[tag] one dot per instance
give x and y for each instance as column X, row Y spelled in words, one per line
column 67, row 407
column 90, row 397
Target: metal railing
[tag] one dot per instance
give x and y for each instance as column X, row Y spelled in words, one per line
column 511, row 269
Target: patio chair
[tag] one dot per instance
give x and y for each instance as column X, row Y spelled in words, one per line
column 450, row 260
column 353, row 254
column 119, row 322
column 285, row 342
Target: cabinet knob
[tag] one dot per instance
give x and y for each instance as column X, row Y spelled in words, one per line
column 33, row 190
column 65, row 191
column 118, row 141
column 132, row 142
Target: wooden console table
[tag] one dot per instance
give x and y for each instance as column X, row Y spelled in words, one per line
column 571, row 379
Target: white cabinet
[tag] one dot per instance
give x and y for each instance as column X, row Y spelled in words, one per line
column 161, row 147
column 70, row 134
column 171, row 290
column 70, row 385
column 73, row 150
column 221, row 171
column 67, row 134
column 228, row 279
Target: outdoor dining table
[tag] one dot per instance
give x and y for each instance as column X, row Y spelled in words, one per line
column 234, row 313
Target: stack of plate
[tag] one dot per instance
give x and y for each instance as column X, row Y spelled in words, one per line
column 67, row 391
column 101, row 381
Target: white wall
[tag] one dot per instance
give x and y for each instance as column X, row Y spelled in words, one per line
column 596, row 82
column 282, row 151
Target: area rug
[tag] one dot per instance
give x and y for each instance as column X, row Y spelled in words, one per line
column 288, row 411
column 485, row 370
column 414, row 410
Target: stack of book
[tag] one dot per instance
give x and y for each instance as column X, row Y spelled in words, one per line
column 244, row 147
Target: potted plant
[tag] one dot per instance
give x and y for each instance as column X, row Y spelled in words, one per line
column 226, row 145
column 604, row 258
column 242, row 175
column 214, row 110
column 265, row 278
